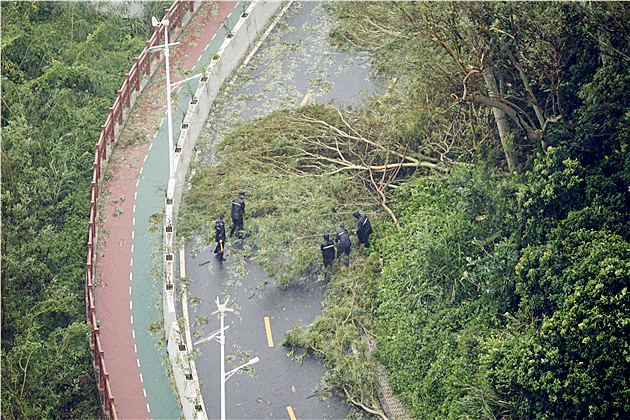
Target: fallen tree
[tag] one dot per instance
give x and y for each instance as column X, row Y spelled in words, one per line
column 323, row 141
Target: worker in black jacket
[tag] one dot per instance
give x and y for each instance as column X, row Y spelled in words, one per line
column 238, row 210
column 343, row 241
column 364, row 229
column 219, row 237
column 328, row 250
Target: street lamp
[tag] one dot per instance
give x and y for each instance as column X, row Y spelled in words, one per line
column 169, row 88
column 165, row 22
column 253, row 361
column 222, row 309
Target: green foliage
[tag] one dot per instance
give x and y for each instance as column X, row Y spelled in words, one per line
column 446, row 275
column 555, row 187
column 576, row 364
column 287, row 213
column 448, row 290
column 341, row 335
column 553, row 278
column 49, row 375
column 599, row 141
column 61, row 65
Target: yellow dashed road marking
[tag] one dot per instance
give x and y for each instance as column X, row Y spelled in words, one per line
column 290, row 410
column 268, row 329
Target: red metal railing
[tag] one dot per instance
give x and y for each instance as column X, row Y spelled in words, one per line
column 141, row 65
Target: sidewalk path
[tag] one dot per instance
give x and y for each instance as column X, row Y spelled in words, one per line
column 128, row 299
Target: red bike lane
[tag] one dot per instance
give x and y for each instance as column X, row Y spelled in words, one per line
column 112, row 294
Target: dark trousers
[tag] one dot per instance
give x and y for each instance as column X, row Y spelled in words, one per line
column 343, row 249
column 328, row 260
column 236, row 223
column 364, row 239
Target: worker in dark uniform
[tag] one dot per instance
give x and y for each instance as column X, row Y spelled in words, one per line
column 328, row 250
column 364, row 229
column 219, row 237
column 343, row 241
column 238, row 210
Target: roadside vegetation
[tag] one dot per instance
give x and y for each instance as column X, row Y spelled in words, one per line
column 61, row 65
column 495, row 171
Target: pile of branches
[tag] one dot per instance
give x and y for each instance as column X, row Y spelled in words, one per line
column 321, row 140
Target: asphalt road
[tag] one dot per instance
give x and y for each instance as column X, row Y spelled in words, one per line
column 295, row 64
column 280, row 381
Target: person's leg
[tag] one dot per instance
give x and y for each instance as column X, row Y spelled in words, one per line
column 340, row 251
column 221, row 251
column 347, row 252
column 330, row 259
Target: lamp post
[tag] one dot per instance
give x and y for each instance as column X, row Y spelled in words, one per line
column 222, row 309
column 165, row 48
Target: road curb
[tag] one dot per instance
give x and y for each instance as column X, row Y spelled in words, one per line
column 236, row 44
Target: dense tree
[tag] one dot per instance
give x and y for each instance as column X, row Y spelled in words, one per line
column 61, row 65
column 519, row 313
column 507, row 57
column 576, row 364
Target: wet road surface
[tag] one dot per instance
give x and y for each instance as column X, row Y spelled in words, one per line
column 296, row 64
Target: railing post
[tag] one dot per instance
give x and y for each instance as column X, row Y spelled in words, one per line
column 127, row 91
column 93, row 346
column 179, row 8
column 88, row 282
column 90, row 252
column 136, row 79
column 118, row 104
column 101, row 355
column 111, row 120
column 147, row 60
column 97, row 163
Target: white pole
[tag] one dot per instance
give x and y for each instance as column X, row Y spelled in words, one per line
column 221, row 309
column 165, row 23
column 222, row 367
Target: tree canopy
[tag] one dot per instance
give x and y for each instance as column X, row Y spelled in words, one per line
column 61, row 65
